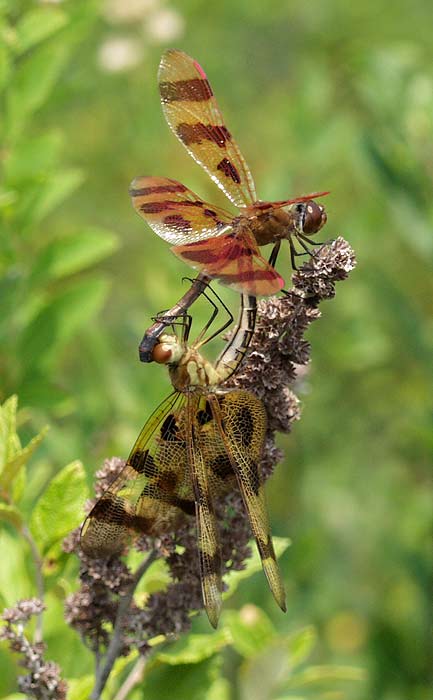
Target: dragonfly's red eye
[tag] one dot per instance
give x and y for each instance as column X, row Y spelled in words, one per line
column 161, row 354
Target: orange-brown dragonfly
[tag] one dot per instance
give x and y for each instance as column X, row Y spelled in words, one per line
column 201, row 442
column 207, row 237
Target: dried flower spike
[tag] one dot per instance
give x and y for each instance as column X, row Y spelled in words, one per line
column 43, row 679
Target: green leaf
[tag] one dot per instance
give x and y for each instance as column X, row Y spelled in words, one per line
column 156, row 578
column 300, row 645
column 254, row 564
column 60, row 319
column 80, row 688
column 123, row 662
column 14, row 580
column 68, row 255
column 195, row 648
column 33, row 81
column 262, row 674
column 31, row 157
column 60, row 507
column 324, row 674
column 9, row 440
column 185, row 681
column 10, row 514
column 250, row 629
column 220, row 689
column 38, row 24
column 13, row 466
column 56, row 189
column 19, row 484
column 13, row 457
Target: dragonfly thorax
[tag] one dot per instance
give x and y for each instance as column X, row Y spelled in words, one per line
column 188, row 369
column 276, row 223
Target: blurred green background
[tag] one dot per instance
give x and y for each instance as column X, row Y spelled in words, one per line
column 320, row 95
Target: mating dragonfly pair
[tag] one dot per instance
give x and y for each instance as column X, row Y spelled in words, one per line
column 203, row 440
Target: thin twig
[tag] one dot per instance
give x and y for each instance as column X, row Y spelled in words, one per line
column 98, row 660
column 134, row 678
column 38, row 564
column 117, row 639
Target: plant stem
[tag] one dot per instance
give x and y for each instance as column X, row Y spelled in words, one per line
column 38, row 563
column 135, row 677
column 116, row 643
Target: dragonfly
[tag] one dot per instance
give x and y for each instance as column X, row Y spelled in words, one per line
column 200, row 442
column 205, row 236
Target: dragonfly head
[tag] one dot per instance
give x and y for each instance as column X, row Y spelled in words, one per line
column 168, row 350
column 187, row 367
column 311, row 216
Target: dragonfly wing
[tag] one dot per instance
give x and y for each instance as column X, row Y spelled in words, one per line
column 152, row 491
column 174, row 212
column 234, row 259
column 242, row 421
column 192, row 113
column 207, row 532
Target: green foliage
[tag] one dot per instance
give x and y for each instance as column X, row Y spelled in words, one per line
column 33, row 82
column 272, row 665
column 45, row 299
column 59, row 509
column 33, row 552
column 13, row 457
column 38, row 24
column 63, row 495
column 251, row 632
column 80, row 688
column 66, row 256
column 320, row 96
column 194, row 682
column 11, row 514
column 275, row 663
column 194, row 648
column 59, row 319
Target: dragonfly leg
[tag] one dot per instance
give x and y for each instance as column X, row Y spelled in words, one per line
column 151, row 335
column 200, row 339
column 310, row 240
column 274, row 253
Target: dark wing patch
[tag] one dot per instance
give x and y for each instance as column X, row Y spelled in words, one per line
column 176, row 213
column 234, row 259
column 152, row 491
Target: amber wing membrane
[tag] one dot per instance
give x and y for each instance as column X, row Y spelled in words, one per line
column 153, row 490
column 206, row 456
column 192, row 113
column 262, row 206
column 175, row 213
column 234, row 259
column 242, row 421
